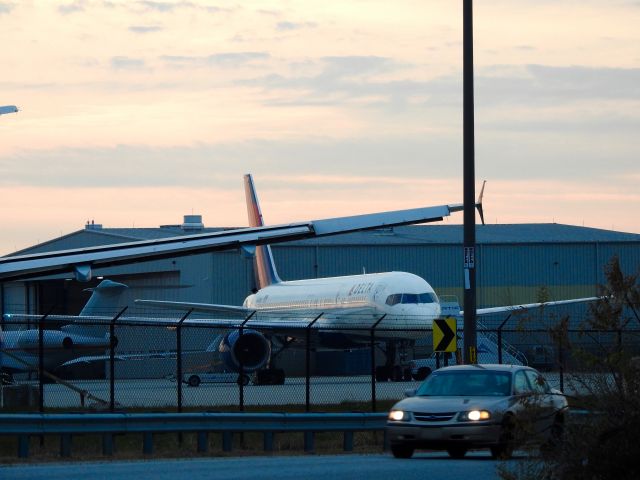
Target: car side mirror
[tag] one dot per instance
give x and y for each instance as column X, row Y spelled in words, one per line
column 411, row 392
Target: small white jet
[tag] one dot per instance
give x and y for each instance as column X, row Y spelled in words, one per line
column 81, row 339
column 341, row 312
column 19, row 349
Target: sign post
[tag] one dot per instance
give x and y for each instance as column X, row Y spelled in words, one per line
column 444, row 335
column 470, row 336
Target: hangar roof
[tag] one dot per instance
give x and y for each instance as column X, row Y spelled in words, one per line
column 525, row 233
column 485, row 234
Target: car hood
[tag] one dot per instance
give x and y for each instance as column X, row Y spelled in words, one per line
column 450, row 404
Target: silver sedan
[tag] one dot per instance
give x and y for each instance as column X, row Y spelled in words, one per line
column 474, row 406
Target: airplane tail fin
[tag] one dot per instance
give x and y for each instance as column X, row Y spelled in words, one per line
column 105, row 300
column 265, row 267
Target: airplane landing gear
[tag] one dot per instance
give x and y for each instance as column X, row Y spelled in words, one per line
column 270, row 376
column 392, row 369
column 6, row 378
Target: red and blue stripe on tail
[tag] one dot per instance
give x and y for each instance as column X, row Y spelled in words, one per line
column 265, row 267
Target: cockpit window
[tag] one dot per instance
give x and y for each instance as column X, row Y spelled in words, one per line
column 427, row 297
column 410, row 298
column 394, row 299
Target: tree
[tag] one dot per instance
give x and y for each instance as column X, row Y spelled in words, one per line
column 601, row 443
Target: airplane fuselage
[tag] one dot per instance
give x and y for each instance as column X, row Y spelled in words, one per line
column 356, row 301
column 21, row 350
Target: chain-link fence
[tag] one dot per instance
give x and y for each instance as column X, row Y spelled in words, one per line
column 146, row 360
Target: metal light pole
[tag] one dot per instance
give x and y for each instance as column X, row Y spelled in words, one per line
column 470, row 338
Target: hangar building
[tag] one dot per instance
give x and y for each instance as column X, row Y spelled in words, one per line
column 517, row 263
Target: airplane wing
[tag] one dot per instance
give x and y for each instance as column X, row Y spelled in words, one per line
column 196, row 307
column 530, row 306
column 81, row 261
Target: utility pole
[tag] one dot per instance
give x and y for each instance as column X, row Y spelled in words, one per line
column 470, row 337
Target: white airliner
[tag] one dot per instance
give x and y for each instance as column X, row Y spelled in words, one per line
column 344, row 309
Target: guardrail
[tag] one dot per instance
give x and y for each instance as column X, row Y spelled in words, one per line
column 109, row 424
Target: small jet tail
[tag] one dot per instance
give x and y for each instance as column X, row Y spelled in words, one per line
column 265, row 267
column 105, row 300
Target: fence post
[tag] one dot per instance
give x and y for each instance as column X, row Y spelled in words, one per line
column 41, row 359
column 179, row 357
column 241, row 372
column 112, row 365
column 500, row 338
column 561, row 364
column 308, row 364
column 373, row 362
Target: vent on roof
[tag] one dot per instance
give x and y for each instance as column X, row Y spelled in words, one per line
column 93, row 226
column 192, row 222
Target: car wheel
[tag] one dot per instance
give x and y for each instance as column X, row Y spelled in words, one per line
column 382, row 374
column 457, row 452
column 402, row 451
column 504, row 450
column 422, row 373
column 194, row 381
column 6, row 378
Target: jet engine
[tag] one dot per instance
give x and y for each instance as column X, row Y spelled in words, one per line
column 249, row 350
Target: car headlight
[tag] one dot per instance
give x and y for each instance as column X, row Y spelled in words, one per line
column 474, row 416
column 399, row 416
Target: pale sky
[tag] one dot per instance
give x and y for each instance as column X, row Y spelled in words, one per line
column 135, row 113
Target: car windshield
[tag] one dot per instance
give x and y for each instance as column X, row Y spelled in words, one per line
column 463, row 383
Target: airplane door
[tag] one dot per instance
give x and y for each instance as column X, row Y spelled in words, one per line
column 378, row 296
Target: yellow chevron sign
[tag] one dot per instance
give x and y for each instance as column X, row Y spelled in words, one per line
column 444, row 335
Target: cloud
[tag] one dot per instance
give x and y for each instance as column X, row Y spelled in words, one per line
column 357, row 78
column 288, row 26
column 225, row 59
column 145, row 28
column 164, row 7
column 127, row 63
column 73, row 7
column 6, row 7
column 552, row 85
column 131, row 165
column 349, row 79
